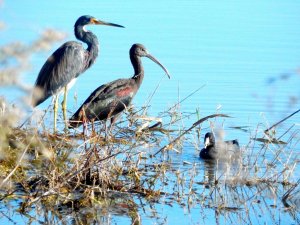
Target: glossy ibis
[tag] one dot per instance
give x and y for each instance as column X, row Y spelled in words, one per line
column 63, row 67
column 110, row 99
column 213, row 150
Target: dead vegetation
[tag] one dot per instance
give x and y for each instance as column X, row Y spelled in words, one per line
column 74, row 171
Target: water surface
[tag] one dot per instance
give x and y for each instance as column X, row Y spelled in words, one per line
column 244, row 54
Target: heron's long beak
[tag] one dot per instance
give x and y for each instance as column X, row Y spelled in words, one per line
column 99, row 22
column 157, row 62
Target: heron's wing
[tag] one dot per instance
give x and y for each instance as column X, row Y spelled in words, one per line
column 65, row 64
column 107, row 100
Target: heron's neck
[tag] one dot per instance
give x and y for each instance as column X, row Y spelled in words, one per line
column 92, row 42
column 138, row 69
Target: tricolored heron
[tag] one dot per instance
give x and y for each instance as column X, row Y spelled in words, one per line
column 63, row 67
column 110, row 99
column 213, row 150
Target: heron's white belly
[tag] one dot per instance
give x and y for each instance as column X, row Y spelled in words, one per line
column 71, row 83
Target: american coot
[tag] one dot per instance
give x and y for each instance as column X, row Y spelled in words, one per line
column 213, row 150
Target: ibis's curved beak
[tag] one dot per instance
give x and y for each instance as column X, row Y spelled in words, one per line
column 100, row 22
column 157, row 62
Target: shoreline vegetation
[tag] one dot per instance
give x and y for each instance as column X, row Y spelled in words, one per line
column 51, row 175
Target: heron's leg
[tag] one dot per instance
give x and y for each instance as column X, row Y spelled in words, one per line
column 55, row 108
column 64, row 107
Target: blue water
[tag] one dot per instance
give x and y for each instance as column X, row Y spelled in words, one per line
column 237, row 50
column 232, row 49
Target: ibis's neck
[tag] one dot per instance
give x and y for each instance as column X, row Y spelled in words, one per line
column 138, row 69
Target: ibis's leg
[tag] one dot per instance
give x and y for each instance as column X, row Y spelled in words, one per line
column 112, row 122
column 108, row 129
column 105, row 131
column 55, row 108
column 84, row 126
column 64, row 107
column 84, row 122
column 93, row 128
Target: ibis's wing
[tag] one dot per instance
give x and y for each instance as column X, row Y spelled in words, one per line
column 106, row 101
